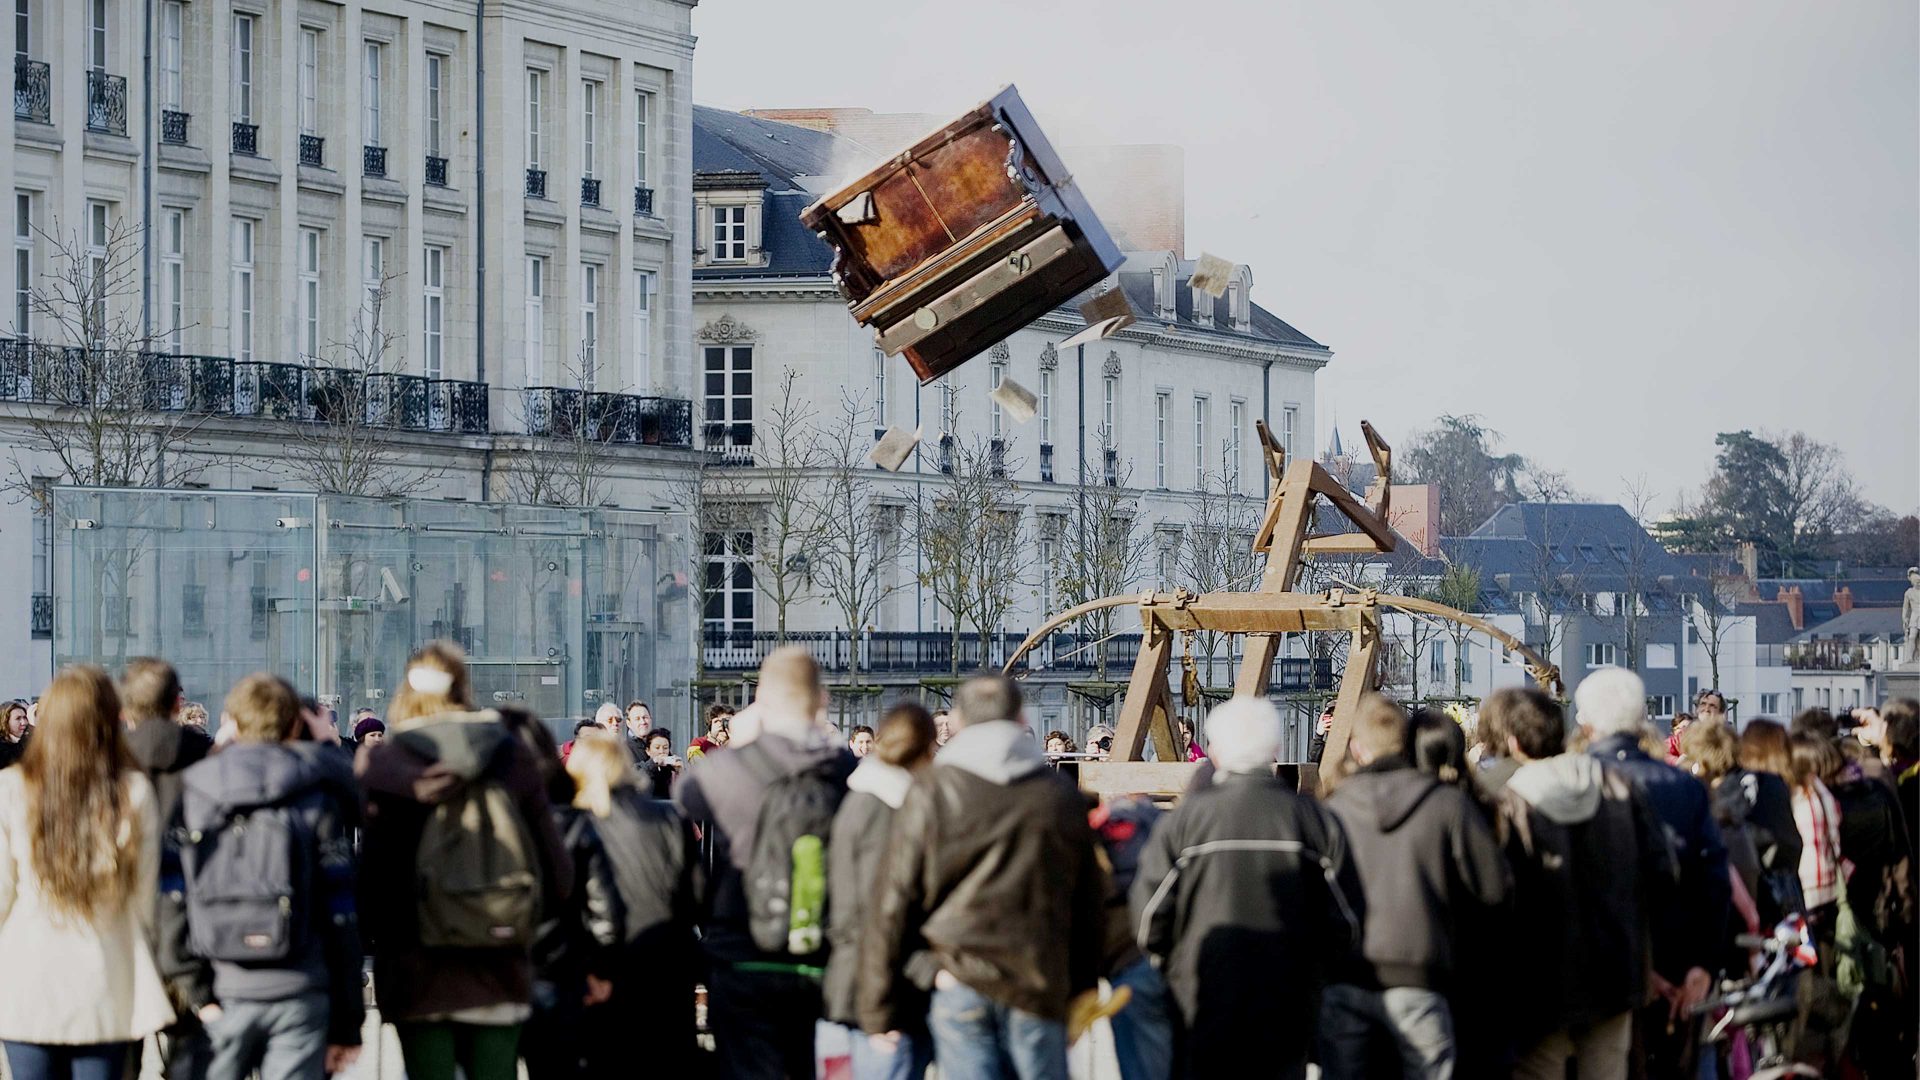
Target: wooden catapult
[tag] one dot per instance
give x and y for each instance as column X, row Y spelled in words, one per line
column 1263, row 615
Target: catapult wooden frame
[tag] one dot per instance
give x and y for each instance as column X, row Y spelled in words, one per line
column 1263, row 615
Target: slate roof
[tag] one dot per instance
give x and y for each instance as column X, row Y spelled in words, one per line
column 1859, row 624
column 1772, row 623
column 784, row 154
column 1599, row 544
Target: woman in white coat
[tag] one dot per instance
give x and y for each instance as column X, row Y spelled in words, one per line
column 79, row 858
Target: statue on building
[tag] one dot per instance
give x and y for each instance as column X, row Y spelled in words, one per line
column 1910, row 615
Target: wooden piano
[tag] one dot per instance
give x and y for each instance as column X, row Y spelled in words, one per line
column 962, row 238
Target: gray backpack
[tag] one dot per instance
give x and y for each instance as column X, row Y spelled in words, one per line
column 249, row 880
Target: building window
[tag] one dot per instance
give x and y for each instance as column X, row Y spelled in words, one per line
column 589, row 126
column 996, row 374
column 879, row 388
column 1660, row 655
column 433, row 308
column 243, row 69
column 1046, row 410
column 241, row 326
column 309, row 295
column 1289, row 423
column 1110, row 409
column 729, row 395
column 589, row 324
column 1660, row 705
column 729, row 234
column 1162, row 403
column 373, row 266
column 536, row 320
column 99, row 237
column 729, row 593
column 370, row 94
column 536, row 83
column 173, row 279
column 309, row 82
column 1466, row 663
column 22, row 28
column 1770, row 704
column 173, row 18
column 97, row 36
column 436, row 69
column 1437, row 663
column 22, row 264
column 1201, row 408
column 1600, row 654
column 643, row 290
column 642, row 116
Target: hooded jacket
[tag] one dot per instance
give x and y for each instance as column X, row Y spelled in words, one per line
column 165, row 750
column 315, row 782
column 1589, row 860
column 874, row 791
column 1246, row 898
column 1427, row 860
column 991, row 865
column 725, row 791
column 421, row 763
column 1691, row 931
column 633, row 908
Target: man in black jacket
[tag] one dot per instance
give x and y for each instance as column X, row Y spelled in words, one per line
column 991, row 864
column 150, row 694
column 1245, row 898
column 1427, row 860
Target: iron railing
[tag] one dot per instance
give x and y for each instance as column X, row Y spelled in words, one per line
column 536, row 183
column 32, row 90
column 373, row 161
column 173, row 126
column 629, row 419
column 730, row 444
column 106, row 103
column 313, row 151
column 38, row 373
column 42, row 616
column 246, row 139
column 589, row 191
column 643, row 200
column 436, row 171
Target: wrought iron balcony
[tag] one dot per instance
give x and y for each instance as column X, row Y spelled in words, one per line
column 373, row 161
column 643, row 200
column 536, row 183
column 909, row 652
column 730, row 444
column 42, row 616
column 313, row 151
column 1046, row 462
column 173, row 127
column 625, row 419
column 32, row 90
column 246, row 139
column 589, row 191
column 436, row 171
column 1112, row 467
column 106, row 103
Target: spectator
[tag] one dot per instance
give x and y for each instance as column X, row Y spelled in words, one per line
column 662, row 767
column 149, row 697
column 13, row 733
column 761, row 1006
column 1495, row 765
column 1681, row 722
column 1059, row 742
column 1766, row 783
column 1100, row 740
column 942, row 729
column 1689, row 931
column 79, row 867
column 1589, row 861
column 861, row 741
column 719, row 727
column 1143, row 1030
column 1902, row 755
column 902, row 749
column 194, row 715
column 1710, row 706
column 1245, row 899
column 639, row 721
column 580, row 727
column 1708, row 751
column 1817, row 722
column 369, row 731
column 1317, row 743
column 991, row 865
column 1189, row 746
column 454, row 1005
column 1427, row 862
column 295, row 1015
column 1812, row 757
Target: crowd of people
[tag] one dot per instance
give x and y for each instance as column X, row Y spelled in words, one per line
column 1518, row 896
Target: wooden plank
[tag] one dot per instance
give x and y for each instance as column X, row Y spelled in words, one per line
column 1356, row 681
column 1323, row 483
column 1108, row 778
column 1256, row 666
column 1145, row 689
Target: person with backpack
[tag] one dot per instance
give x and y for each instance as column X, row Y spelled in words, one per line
column 79, row 867
column 769, row 807
column 460, row 858
column 268, row 863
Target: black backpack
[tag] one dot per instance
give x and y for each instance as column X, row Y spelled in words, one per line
column 249, row 880
column 786, row 873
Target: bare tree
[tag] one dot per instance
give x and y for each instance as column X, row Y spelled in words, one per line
column 1710, row 612
column 348, row 449
column 854, row 535
column 570, row 462
column 972, row 539
column 1640, row 563
column 1215, row 548
column 786, row 457
column 1557, row 587
column 1102, row 547
column 1459, row 588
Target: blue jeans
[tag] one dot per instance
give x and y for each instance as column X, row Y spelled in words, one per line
column 40, row 1061
column 908, row 1060
column 281, row 1040
column 977, row 1038
column 1143, row 1031
column 1416, row 1023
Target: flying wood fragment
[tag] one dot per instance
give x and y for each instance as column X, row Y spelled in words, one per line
column 1210, row 275
column 1016, row 399
column 893, row 448
column 1106, row 315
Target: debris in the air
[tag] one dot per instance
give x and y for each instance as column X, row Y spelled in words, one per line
column 1106, row 315
column 859, row 211
column 1017, row 400
column 893, row 448
column 1210, row 275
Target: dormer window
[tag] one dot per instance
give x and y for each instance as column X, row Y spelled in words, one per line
column 1202, row 308
column 729, row 233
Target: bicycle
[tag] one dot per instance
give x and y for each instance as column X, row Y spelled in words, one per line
column 1766, row 1006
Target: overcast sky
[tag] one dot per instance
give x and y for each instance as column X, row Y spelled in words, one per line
column 1610, row 229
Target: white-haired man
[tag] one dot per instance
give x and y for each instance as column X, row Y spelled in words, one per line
column 1692, row 928
column 1246, row 892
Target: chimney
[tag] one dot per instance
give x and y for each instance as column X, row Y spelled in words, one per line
column 1749, row 560
column 1843, row 599
column 1796, row 607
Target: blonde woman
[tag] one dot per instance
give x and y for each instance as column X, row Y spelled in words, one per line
column 455, row 1007
column 79, row 865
